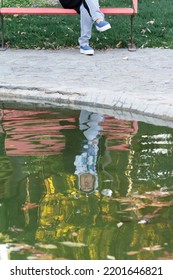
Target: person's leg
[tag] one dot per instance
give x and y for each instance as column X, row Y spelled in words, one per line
column 86, row 23
column 94, row 10
column 97, row 15
column 90, row 13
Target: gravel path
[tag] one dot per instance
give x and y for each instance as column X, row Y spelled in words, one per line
column 131, row 85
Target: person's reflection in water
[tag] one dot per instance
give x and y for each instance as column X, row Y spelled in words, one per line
column 71, row 209
column 86, row 162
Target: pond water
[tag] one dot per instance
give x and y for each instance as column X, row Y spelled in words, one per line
column 83, row 186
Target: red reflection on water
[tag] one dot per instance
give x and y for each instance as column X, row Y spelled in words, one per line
column 118, row 132
column 33, row 133
column 38, row 133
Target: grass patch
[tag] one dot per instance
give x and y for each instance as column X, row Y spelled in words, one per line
column 153, row 27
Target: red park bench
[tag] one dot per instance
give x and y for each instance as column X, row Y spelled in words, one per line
column 4, row 11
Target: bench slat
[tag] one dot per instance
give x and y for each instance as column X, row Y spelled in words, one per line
column 60, row 11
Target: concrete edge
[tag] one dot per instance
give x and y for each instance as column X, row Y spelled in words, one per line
column 43, row 98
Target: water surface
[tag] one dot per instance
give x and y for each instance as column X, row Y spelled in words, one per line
column 80, row 185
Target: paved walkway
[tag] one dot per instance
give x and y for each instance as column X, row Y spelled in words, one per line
column 132, row 85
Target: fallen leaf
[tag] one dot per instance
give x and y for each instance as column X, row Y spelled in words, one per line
column 41, row 257
column 131, row 253
column 46, row 246
column 73, row 244
column 119, row 224
column 151, row 21
column 118, row 45
column 74, row 234
column 28, row 206
column 109, row 257
column 153, row 248
column 143, row 222
column 15, row 229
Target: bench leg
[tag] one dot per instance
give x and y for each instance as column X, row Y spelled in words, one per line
column 2, row 35
column 131, row 46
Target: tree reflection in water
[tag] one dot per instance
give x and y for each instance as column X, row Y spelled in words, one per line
column 79, row 185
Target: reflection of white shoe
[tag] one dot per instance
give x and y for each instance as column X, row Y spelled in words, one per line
column 86, row 50
column 102, row 25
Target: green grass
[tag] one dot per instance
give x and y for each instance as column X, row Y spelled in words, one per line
column 153, row 27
